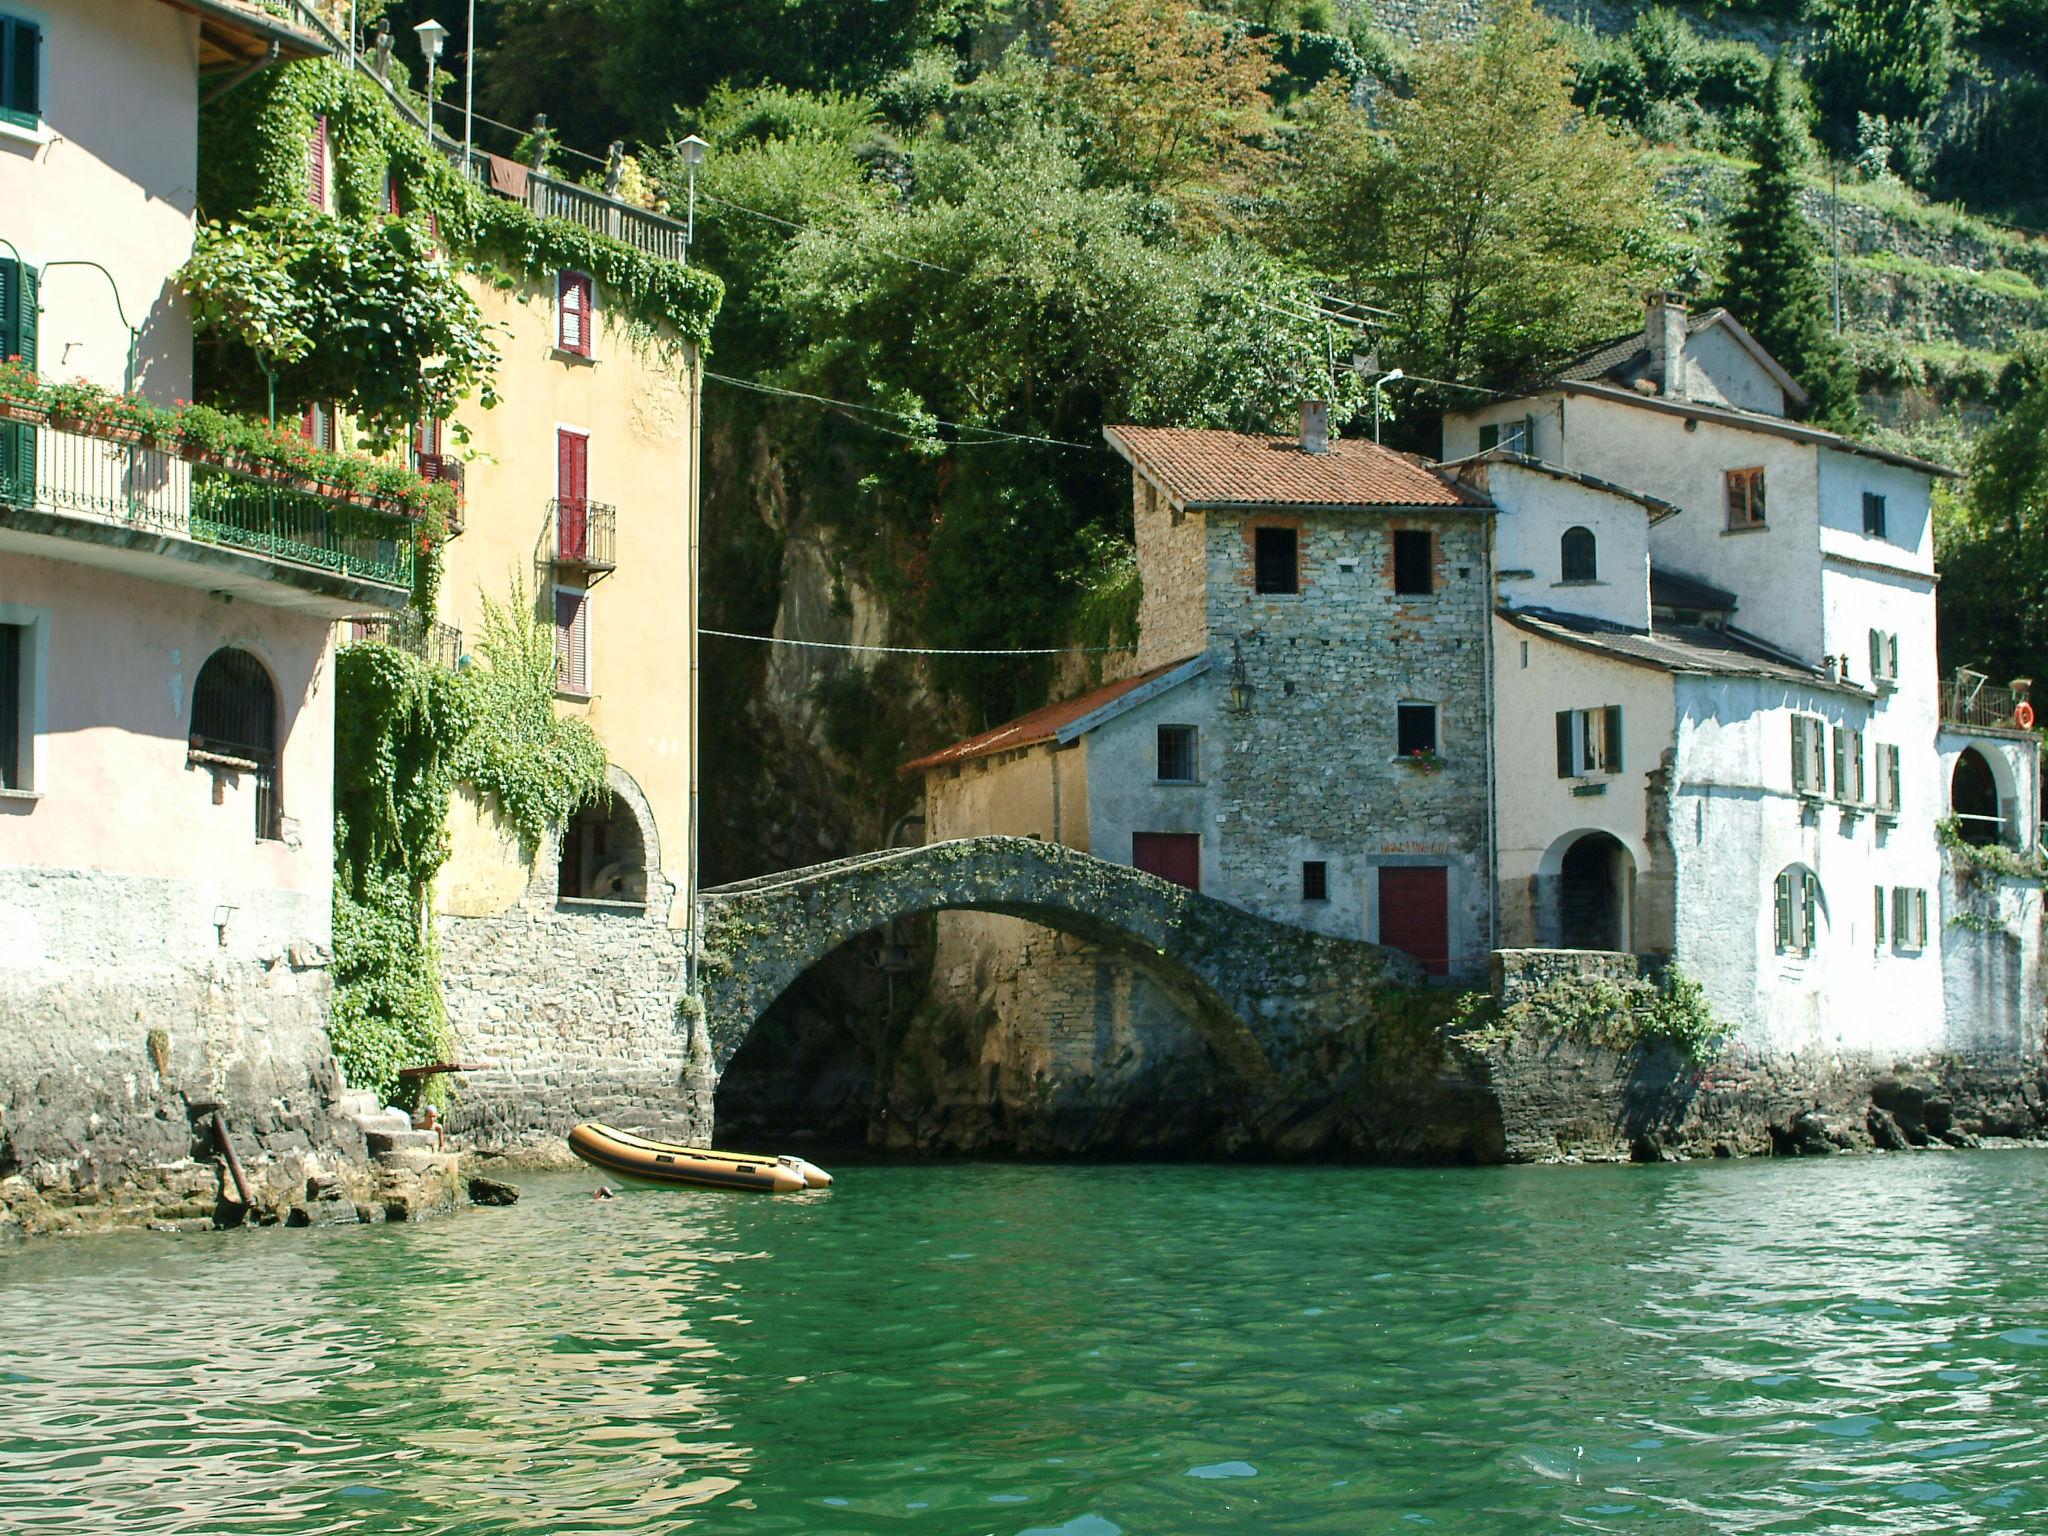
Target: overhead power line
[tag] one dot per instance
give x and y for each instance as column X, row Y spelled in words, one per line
column 920, row 650
column 989, row 434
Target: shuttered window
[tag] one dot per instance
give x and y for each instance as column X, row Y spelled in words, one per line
column 1809, row 755
column 1884, row 656
column 1588, row 741
column 1849, row 766
column 1909, row 917
column 573, row 311
column 572, row 640
column 21, row 72
column 1887, row 779
column 1877, row 928
column 13, row 689
column 316, row 165
column 316, row 426
column 1873, row 514
column 1795, row 899
column 19, row 290
column 1745, row 496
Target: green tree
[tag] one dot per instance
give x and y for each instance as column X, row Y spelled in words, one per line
column 1773, row 281
column 1499, row 224
column 1992, row 541
column 1879, row 58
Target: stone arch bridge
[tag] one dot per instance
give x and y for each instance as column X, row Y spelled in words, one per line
column 1274, row 1002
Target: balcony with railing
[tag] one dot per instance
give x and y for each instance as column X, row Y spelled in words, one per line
column 585, row 536
column 428, row 639
column 135, row 505
column 1968, row 702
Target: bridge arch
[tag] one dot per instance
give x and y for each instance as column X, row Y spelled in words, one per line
column 1229, row 969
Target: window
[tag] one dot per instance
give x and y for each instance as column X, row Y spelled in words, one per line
column 1515, row 436
column 21, row 92
column 426, row 447
column 13, row 698
column 1415, row 730
column 1315, row 880
column 1745, row 490
column 1909, row 917
column 1274, row 560
column 1588, row 741
column 316, row 166
column 1873, row 514
column 1884, row 657
column 1177, row 761
column 19, row 289
column 394, row 204
column 1577, row 556
column 1414, row 562
column 572, row 494
column 316, row 426
column 572, row 640
column 574, row 313
column 1887, row 779
column 1797, row 910
column 234, row 729
column 1849, row 766
column 1809, row 755
column 1877, row 927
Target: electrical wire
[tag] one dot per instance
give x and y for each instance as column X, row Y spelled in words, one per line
column 919, row 650
column 989, row 434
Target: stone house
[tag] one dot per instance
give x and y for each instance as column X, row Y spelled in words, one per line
column 166, row 663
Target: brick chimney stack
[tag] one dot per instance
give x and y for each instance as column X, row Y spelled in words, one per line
column 1315, row 426
column 1664, row 326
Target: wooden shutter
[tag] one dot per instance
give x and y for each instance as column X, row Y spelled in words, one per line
column 572, row 641
column 1891, row 645
column 393, row 204
column 1528, row 442
column 1782, row 894
column 18, row 322
column 1565, row 766
column 10, row 706
column 1809, row 904
column 1799, row 751
column 1891, row 757
column 1489, row 437
column 572, row 466
column 1920, row 918
column 316, row 165
column 1899, row 916
column 21, row 45
column 1841, row 762
column 1860, row 796
column 1611, row 756
column 1878, row 930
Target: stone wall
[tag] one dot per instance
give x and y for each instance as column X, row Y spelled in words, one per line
column 572, row 1012
column 127, row 1018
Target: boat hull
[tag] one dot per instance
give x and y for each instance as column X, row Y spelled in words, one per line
column 639, row 1160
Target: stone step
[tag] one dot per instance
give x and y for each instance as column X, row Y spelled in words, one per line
column 357, row 1102
column 383, row 1122
column 408, row 1140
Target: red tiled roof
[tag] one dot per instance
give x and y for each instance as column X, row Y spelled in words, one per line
column 1041, row 725
column 1236, row 469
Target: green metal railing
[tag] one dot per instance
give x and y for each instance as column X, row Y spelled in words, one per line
column 144, row 487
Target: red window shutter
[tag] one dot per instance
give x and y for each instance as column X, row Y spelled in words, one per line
column 572, row 305
column 572, row 642
column 316, row 165
column 392, row 202
column 572, row 466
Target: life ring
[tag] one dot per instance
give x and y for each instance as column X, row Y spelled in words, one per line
column 2023, row 715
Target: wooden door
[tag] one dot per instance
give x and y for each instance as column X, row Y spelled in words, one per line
column 1175, row 856
column 572, row 493
column 1415, row 914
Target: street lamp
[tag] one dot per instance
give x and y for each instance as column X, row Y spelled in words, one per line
column 433, row 36
column 694, row 150
column 1377, row 384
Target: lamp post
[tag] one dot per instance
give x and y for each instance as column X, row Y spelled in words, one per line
column 694, row 150
column 1377, row 384
column 469, row 89
column 433, row 37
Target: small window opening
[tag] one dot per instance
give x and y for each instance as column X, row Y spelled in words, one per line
column 1873, row 514
column 1745, row 495
column 1415, row 730
column 12, row 691
column 1577, row 555
column 1315, row 880
column 1275, row 560
column 1414, row 562
column 234, row 727
column 1177, row 762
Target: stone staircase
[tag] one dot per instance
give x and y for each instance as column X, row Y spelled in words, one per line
column 412, row 1176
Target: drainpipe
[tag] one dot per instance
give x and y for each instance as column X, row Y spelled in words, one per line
column 1492, row 809
column 691, row 925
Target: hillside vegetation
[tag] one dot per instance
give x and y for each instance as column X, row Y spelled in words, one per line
column 986, row 227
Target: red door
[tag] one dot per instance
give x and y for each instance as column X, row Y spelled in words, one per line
column 572, row 493
column 1175, row 856
column 1415, row 914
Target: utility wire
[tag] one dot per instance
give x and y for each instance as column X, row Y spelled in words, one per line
column 990, row 434
column 918, row 650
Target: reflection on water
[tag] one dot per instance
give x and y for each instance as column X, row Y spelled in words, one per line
column 1854, row 1345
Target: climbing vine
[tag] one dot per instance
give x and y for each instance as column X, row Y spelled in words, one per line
column 406, row 731
column 1618, row 1012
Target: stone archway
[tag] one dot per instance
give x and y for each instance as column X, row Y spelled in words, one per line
column 1585, row 892
column 610, row 851
column 1974, row 799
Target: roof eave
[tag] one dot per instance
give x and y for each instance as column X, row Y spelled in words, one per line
column 222, row 22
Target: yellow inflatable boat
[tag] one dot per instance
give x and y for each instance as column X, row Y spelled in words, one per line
column 638, row 1160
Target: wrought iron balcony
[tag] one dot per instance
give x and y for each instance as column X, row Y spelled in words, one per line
column 1972, row 703
column 426, row 638
column 585, row 533
column 66, row 483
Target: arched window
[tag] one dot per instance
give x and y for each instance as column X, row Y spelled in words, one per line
column 1798, row 910
column 234, row 727
column 604, row 857
column 1973, row 800
column 1576, row 553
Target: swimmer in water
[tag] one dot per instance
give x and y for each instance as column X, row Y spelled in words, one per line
column 604, row 1192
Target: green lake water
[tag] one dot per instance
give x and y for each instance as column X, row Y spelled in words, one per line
column 1848, row 1345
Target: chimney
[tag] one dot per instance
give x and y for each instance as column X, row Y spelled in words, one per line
column 1664, row 327
column 1315, row 426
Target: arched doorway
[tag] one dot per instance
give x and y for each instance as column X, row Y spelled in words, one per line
column 603, row 855
column 1973, row 799
column 1593, row 893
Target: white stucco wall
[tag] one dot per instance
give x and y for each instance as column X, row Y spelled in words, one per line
column 1720, row 369
column 1535, row 511
column 1539, row 815
column 114, row 183
column 1908, row 543
column 1461, row 431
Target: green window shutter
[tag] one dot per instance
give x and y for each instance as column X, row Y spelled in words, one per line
column 1841, row 762
column 1783, row 893
column 19, row 286
column 1891, row 643
column 1564, row 744
column 1856, row 761
column 1809, row 905
column 1802, row 756
column 1899, row 916
column 1920, row 919
column 1877, row 929
column 1489, row 436
column 1891, row 757
column 1613, row 763
column 21, row 44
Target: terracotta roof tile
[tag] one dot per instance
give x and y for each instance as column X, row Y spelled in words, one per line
column 1041, row 725
column 1200, row 468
